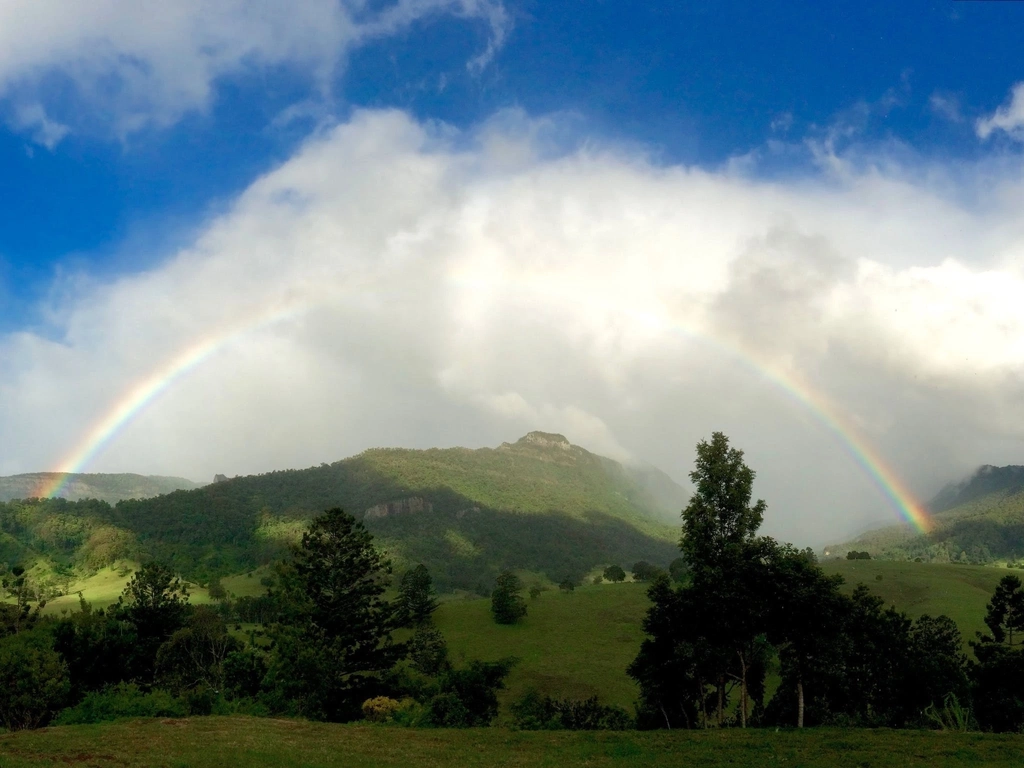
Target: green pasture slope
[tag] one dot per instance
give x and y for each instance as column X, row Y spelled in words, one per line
column 578, row 644
column 571, row 644
column 959, row 591
column 239, row 741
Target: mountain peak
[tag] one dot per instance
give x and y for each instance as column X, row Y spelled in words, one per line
column 545, row 439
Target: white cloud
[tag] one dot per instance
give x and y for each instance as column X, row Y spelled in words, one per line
column 946, row 106
column 136, row 63
column 45, row 132
column 1008, row 118
column 451, row 289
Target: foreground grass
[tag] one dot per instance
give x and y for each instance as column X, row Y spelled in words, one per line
column 220, row 741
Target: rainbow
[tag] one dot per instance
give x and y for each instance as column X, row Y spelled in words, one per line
column 885, row 479
column 143, row 393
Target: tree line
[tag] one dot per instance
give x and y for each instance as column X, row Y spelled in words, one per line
column 333, row 639
column 751, row 605
column 328, row 644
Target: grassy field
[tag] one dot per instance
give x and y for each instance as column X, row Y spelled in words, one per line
column 959, row 591
column 223, row 741
column 578, row 644
column 574, row 644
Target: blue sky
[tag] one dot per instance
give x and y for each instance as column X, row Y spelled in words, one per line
column 693, row 82
column 623, row 221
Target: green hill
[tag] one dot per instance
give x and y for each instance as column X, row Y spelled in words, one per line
column 110, row 488
column 979, row 520
column 540, row 504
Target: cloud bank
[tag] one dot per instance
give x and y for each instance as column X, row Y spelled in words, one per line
column 111, row 65
column 443, row 288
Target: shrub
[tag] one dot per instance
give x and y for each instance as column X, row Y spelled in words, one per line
column 380, row 709
column 124, row 700
column 33, row 681
column 467, row 698
column 411, row 714
column 535, row 591
column 446, row 710
column 953, row 716
column 535, row 712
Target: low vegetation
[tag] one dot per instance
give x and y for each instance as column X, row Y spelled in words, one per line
column 211, row 742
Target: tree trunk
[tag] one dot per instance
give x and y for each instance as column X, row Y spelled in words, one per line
column 721, row 700
column 799, row 702
column 743, row 689
column 665, row 715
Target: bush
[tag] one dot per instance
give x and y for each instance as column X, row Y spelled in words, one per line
column 446, row 710
column 467, row 698
column 380, row 709
column 33, row 681
column 411, row 714
column 854, row 555
column 124, row 700
column 535, row 712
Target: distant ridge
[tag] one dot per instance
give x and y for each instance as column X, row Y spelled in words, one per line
column 978, row 520
column 985, row 481
column 110, row 488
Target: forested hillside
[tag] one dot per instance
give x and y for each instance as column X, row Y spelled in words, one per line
column 111, row 488
column 979, row 520
column 539, row 504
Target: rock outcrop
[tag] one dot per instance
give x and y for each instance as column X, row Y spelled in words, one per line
column 409, row 506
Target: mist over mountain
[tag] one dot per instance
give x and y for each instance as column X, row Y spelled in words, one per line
column 979, row 520
column 985, row 481
column 110, row 488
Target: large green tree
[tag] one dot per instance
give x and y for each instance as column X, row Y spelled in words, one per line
column 719, row 516
column 335, row 637
column 507, row 605
column 416, row 600
column 719, row 641
column 999, row 674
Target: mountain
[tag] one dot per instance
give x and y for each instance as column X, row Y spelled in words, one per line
column 108, row 488
column 539, row 504
column 977, row 520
